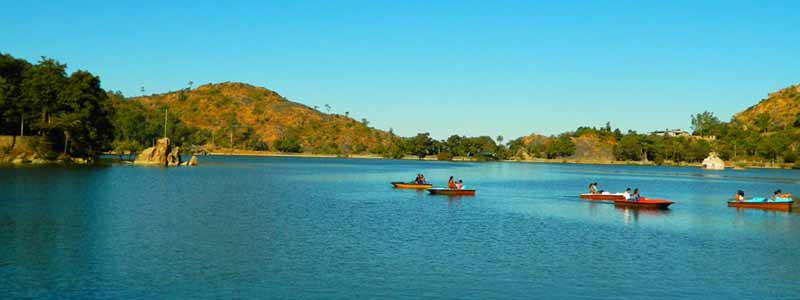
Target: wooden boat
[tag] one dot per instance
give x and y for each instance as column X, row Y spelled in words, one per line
column 452, row 192
column 645, row 203
column 603, row 197
column 411, row 185
column 782, row 204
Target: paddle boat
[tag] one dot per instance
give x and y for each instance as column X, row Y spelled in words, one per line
column 452, row 192
column 782, row 204
column 644, row 203
column 411, row 185
column 603, row 197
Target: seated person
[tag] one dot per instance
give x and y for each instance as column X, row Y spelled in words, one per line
column 635, row 197
column 451, row 184
column 739, row 195
column 460, row 184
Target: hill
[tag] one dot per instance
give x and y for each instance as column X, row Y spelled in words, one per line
column 778, row 111
column 258, row 118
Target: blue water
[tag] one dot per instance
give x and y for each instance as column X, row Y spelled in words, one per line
column 289, row 228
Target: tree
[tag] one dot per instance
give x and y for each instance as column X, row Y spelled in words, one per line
column 628, row 148
column 500, row 139
column 190, row 84
column 562, row 146
column 41, row 86
column 762, row 121
column 287, row 144
column 13, row 106
column 420, row 145
column 705, row 123
column 328, row 108
column 83, row 115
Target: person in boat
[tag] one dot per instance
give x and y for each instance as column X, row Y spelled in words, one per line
column 739, row 195
column 451, row 184
column 598, row 191
column 635, row 197
column 776, row 195
column 460, row 184
column 593, row 188
column 627, row 194
column 422, row 178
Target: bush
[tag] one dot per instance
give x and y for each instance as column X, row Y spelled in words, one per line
column 260, row 146
column 286, row 145
column 444, row 156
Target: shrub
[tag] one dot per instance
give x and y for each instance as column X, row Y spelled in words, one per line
column 444, row 156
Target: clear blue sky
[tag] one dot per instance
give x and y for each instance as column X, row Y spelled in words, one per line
column 444, row 67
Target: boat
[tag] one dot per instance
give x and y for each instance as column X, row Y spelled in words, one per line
column 645, row 203
column 411, row 185
column 452, row 192
column 603, row 197
column 782, row 204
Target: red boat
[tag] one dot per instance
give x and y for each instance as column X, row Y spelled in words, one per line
column 645, row 203
column 602, row 197
column 785, row 205
column 451, row 192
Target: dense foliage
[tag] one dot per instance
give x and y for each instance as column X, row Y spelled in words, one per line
column 73, row 112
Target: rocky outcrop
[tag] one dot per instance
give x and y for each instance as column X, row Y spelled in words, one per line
column 163, row 154
column 713, row 162
column 174, row 157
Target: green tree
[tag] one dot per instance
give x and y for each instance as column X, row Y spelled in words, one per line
column 562, row 146
column 420, row 145
column 41, row 87
column 763, row 122
column 628, row 148
column 83, row 115
column 705, row 123
column 287, row 144
column 14, row 109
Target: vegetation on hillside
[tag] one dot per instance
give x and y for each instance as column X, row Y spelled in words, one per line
column 79, row 119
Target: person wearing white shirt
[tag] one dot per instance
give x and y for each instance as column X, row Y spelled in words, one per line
column 627, row 194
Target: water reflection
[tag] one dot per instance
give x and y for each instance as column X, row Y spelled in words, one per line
column 631, row 214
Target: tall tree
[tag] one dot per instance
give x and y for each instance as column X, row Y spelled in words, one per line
column 13, row 108
column 83, row 114
column 705, row 123
column 41, row 87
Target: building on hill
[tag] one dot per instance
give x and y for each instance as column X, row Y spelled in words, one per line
column 672, row 133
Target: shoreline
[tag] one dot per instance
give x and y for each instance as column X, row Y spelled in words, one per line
column 729, row 165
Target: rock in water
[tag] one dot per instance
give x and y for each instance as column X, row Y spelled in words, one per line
column 713, row 162
column 193, row 161
column 163, row 154
column 174, row 157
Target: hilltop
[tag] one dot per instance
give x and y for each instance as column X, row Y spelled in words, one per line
column 258, row 118
column 778, row 111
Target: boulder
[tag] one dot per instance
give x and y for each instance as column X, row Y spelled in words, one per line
column 713, row 162
column 162, row 154
column 174, row 157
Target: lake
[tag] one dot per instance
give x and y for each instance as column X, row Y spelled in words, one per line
column 304, row 228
